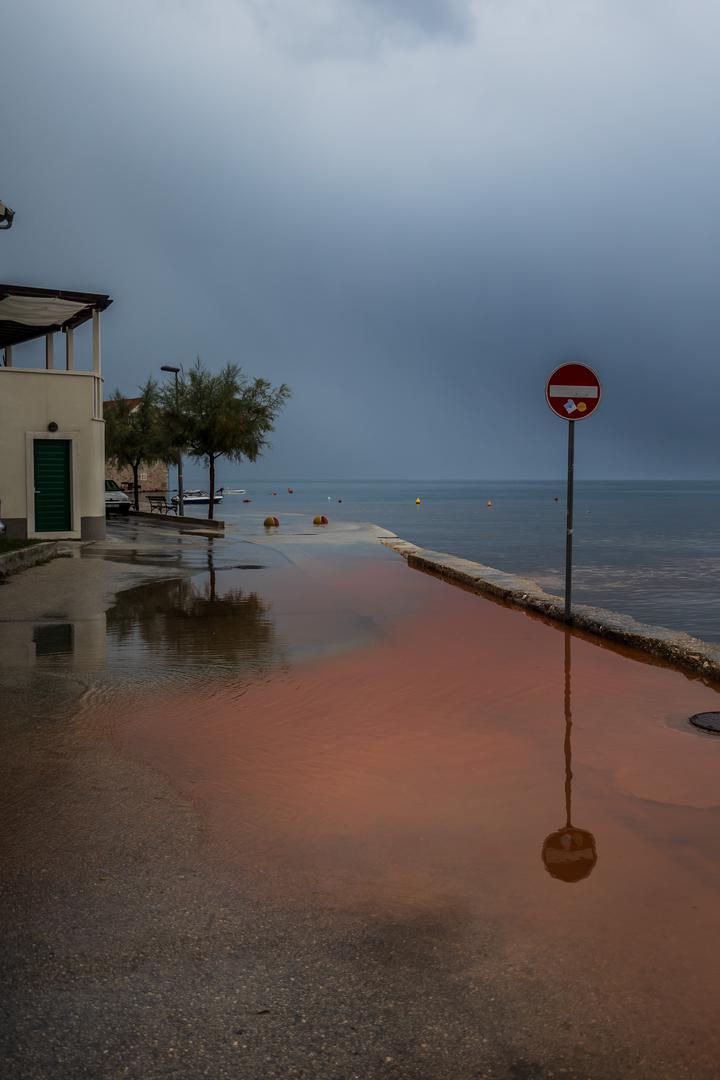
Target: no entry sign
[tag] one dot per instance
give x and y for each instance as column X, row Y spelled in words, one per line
column 573, row 391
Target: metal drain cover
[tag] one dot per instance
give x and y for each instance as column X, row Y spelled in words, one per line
column 707, row 721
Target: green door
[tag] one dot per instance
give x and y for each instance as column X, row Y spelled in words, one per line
column 52, row 485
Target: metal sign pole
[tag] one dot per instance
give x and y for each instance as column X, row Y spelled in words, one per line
column 569, row 535
column 573, row 393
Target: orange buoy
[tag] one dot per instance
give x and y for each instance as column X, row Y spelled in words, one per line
column 290, row 491
column 320, row 520
column 271, row 521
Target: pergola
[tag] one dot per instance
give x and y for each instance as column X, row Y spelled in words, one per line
column 27, row 314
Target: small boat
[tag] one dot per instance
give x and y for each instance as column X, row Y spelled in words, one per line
column 196, row 498
column 231, row 491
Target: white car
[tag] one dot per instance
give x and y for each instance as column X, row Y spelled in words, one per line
column 116, row 501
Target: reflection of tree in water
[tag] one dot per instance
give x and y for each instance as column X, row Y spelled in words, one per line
column 190, row 619
column 570, row 853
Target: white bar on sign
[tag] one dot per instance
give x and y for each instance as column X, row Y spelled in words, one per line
column 573, row 391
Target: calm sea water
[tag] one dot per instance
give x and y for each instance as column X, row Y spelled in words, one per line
column 649, row 549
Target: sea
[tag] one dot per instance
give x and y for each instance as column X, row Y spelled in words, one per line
column 650, row 549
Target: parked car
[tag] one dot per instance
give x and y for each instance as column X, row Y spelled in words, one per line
column 116, row 501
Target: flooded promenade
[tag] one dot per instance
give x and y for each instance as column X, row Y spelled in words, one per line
column 287, row 807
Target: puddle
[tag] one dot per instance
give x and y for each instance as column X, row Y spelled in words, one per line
column 479, row 762
column 441, row 761
column 54, row 639
column 195, row 620
column 45, row 696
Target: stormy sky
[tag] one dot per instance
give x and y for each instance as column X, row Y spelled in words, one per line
column 409, row 210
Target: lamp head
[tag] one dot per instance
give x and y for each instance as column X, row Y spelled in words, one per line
column 6, row 216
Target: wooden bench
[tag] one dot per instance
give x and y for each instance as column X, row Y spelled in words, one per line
column 160, row 503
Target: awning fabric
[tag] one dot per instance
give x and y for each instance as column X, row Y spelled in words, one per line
column 27, row 313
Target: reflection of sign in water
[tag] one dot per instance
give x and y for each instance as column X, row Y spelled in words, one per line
column 570, row 853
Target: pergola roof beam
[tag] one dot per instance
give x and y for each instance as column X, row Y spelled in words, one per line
column 28, row 313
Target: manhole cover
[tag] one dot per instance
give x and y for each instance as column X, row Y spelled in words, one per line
column 707, row 721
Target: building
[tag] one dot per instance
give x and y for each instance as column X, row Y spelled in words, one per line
column 153, row 476
column 52, row 432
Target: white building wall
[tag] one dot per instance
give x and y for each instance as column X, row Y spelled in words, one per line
column 30, row 400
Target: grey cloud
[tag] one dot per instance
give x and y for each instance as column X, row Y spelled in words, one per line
column 433, row 17
column 412, row 238
column 360, row 28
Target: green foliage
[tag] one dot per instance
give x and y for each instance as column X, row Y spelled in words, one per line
column 136, row 433
column 222, row 415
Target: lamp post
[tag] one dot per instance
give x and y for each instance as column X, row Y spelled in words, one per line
column 181, row 491
column 6, row 216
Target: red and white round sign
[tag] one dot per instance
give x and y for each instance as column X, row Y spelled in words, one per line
column 573, row 391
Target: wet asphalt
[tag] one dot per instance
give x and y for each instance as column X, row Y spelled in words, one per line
column 130, row 951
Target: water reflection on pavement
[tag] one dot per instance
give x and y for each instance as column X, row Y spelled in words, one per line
column 402, row 829
column 570, row 853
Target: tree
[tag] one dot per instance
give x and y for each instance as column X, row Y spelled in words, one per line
column 226, row 415
column 134, row 432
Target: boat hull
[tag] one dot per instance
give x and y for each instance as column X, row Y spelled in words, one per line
column 197, row 500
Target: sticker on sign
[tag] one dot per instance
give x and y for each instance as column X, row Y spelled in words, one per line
column 573, row 391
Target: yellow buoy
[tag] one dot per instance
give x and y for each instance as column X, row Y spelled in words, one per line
column 417, row 502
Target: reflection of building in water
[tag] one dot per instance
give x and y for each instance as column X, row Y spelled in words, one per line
column 570, row 853
column 81, row 643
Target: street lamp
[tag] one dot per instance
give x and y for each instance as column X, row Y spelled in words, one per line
column 6, row 216
column 181, row 491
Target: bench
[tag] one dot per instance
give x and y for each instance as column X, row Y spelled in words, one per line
column 160, row 503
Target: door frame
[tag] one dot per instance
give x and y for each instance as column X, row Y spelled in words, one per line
column 67, row 436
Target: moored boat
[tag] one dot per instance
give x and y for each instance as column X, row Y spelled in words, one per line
column 197, row 498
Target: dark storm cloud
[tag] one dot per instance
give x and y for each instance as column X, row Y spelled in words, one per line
column 409, row 211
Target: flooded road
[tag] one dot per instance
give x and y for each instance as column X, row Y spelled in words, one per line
column 297, row 810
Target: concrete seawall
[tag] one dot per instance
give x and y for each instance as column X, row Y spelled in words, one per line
column 678, row 648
